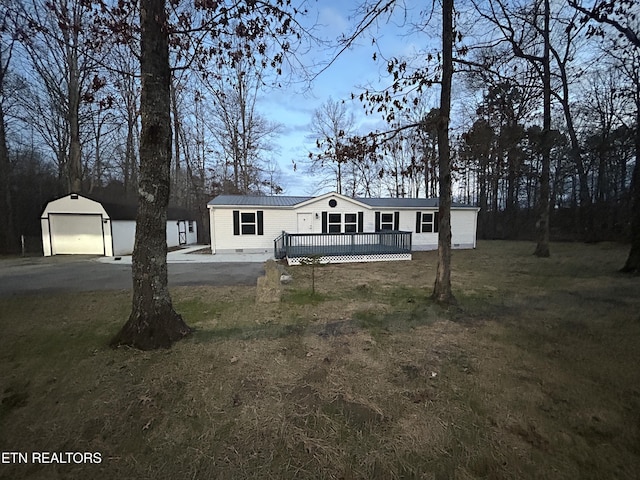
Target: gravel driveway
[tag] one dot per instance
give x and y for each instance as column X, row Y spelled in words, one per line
column 34, row 275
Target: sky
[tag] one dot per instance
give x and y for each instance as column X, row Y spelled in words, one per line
column 293, row 105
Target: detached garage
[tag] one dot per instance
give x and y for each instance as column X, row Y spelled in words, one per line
column 75, row 224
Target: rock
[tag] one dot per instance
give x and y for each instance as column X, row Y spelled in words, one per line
column 269, row 289
column 286, row 279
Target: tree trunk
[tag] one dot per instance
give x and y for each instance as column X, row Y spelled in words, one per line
column 442, row 288
column 73, row 116
column 542, row 226
column 632, row 265
column 8, row 238
column 153, row 322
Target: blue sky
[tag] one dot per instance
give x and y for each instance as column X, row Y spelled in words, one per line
column 294, row 107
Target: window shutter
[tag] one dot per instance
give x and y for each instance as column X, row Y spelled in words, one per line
column 396, row 221
column 418, row 221
column 236, row 222
column 360, row 222
column 377, row 221
column 324, row 222
column 436, row 222
column 259, row 215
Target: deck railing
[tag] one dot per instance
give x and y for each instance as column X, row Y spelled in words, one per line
column 324, row 244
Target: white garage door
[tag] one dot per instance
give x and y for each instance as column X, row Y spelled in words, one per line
column 76, row 234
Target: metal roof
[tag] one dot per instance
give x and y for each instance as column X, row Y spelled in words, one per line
column 400, row 202
column 258, row 200
column 286, row 201
column 129, row 211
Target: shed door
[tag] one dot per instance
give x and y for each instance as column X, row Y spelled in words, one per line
column 182, row 232
column 305, row 223
column 76, row 234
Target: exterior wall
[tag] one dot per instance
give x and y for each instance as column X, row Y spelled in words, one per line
column 192, row 237
column 124, row 235
column 275, row 221
column 463, row 228
column 79, row 205
column 279, row 219
column 46, row 238
column 419, row 241
column 173, row 232
column 119, row 235
column 70, row 207
column 344, row 205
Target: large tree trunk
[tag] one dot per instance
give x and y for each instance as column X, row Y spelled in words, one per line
column 542, row 247
column 153, row 322
column 73, row 115
column 442, row 287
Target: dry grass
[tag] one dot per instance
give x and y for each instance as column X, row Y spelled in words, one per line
column 533, row 375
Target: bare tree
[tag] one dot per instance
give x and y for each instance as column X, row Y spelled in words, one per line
column 59, row 47
column 527, row 31
column 331, row 126
column 8, row 239
column 623, row 18
column 442, row 287
column 244, row 137
column 153, row 322
column 124, row 77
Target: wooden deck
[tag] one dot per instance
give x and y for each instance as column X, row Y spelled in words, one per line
column 344, row 247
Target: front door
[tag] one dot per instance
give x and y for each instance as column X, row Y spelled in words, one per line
column 305, row 223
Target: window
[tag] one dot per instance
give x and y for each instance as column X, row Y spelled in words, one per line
column 335, row 223
column 190, row 226
column 247, row 223
column 387, row 221
column 342, row 223
column 350, row 223
column 427, row 222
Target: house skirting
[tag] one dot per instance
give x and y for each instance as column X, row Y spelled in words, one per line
column 382, row 257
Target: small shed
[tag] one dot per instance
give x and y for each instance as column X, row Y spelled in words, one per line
column 78, row 225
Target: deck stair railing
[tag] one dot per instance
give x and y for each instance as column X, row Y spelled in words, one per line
column 293, row 245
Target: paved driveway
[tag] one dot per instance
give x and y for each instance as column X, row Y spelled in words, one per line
column 82, row 273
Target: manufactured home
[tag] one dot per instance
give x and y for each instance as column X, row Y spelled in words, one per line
column 76, row 224
column 336, row 227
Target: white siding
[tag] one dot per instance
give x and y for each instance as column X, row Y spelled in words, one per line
column 78, row 205
column 172, row 233
column 75, row 224
column 279, row 219
column 463, row 228
column 124, row 235
column 419, row 241
column 70, row 225
column 46, row 236
column 343, row 205
column 275, row 221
